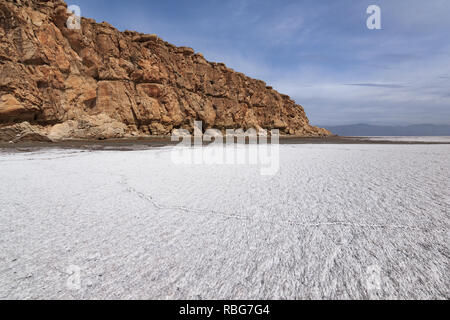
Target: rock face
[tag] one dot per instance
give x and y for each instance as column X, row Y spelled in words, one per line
column 97, row 82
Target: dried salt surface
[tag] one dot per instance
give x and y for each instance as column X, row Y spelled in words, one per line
column 337, row 222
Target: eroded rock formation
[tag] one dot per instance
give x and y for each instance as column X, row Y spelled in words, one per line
column 97, row 82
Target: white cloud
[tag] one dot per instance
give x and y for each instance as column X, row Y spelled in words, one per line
column 408, row 92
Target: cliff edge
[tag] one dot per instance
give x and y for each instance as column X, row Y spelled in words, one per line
column 59, row 83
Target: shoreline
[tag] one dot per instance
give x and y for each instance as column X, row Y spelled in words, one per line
column 162, row 141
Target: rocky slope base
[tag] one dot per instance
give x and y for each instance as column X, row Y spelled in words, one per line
column 98, row 83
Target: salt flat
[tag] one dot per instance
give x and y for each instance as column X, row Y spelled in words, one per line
column 337, row 221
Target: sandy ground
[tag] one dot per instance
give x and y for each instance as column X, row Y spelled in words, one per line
column 338, row 221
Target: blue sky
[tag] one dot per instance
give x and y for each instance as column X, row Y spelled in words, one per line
column 320, row 52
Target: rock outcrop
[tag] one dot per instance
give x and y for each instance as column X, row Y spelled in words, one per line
column 97, row 82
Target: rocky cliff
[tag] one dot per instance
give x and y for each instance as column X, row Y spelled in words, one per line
column 99, row 83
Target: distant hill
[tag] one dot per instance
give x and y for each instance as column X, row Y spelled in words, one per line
column 371, row 130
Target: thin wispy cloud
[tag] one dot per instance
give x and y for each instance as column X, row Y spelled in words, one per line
column 289, row 25
column 378, row 85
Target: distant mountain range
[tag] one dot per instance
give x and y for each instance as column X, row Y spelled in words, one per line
column 372, row 130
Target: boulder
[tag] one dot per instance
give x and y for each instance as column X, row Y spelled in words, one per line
column 145, row 38
column 21, row 132
column 100, row 127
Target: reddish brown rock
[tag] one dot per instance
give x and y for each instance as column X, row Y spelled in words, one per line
column 23, row 131
column 137, row 83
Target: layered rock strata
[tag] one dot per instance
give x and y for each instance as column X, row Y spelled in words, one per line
column 99, row 83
